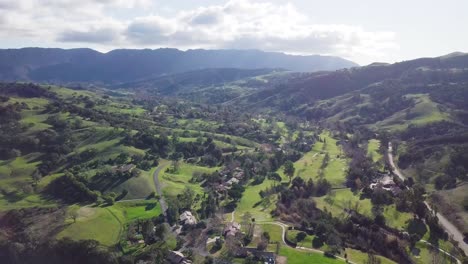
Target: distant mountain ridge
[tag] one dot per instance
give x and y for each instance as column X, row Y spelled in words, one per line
column 171, row 83
column 322, row 85
column 125, row 65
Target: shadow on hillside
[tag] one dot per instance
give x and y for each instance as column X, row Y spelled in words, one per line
column 104, row 183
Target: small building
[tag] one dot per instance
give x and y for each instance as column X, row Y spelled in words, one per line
column 176, row 257
column 232, row 181
column 231, row 229
column 186, row 218
column 238, row 173
column 386, row 182
column 220, row 188
column 125, row 168
column 268, row 148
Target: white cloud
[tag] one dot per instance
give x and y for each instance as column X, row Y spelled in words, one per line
column 237, row 24
column 101, row 35
column 151, row 29
column 242, row 24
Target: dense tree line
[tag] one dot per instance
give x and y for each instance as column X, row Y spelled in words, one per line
column 27, row 90
column 362, row 170
column 71, row 189
column 60, row 251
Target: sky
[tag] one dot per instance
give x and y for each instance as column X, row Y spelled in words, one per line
column 363, row 31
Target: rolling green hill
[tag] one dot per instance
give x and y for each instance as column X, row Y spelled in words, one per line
column 110, row 170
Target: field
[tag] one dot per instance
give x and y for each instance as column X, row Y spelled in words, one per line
column 18, row 168
column 218, row 143
column 23, row 201
column 338, row 200
column 427, row 254
column 105, row 224
column 174, row 183
column 373, row 149
column 353, row 255
column 300, row 256
column 252, row 203
column 295, row 255
column 97, row 223
column 309, row 166
column 357, row 256
column 307, row 242
column 275, row 231
column 424, row 112
column 132, row 210
column 138, row 187
column 106, row 141
column 15, row 183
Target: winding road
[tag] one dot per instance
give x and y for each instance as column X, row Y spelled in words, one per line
column 159, row 189
column 283, row 237
column 452, row 230
column 284, row 227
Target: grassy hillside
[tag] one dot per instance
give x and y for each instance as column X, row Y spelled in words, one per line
column 306, row 149
column 424, row 112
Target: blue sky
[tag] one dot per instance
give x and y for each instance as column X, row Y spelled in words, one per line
column 362, row 30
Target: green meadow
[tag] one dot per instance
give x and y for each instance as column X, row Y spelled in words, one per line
column 174, row 183
column 425, row 111
column 309, row 166
column 105, row 224
column 373, row 146
column 97, row 223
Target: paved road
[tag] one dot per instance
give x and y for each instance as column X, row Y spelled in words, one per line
column 441, row 250
column 284, row 227
column 283, row 236
column 452, row 230
column 158, row 188
column 232, row 216
column 392, row 164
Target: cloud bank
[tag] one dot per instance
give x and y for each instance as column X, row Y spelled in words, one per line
column 237, row 24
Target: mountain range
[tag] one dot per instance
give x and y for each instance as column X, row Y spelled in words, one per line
column 125, row 65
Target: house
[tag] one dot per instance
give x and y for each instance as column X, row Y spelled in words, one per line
column 386, row 182
column 238, row 173
column 231, row 229
column 268, row 148
column 176, row 257
column 186, row 218
column 232, row 181
column 220, row 188
column 124, row 168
